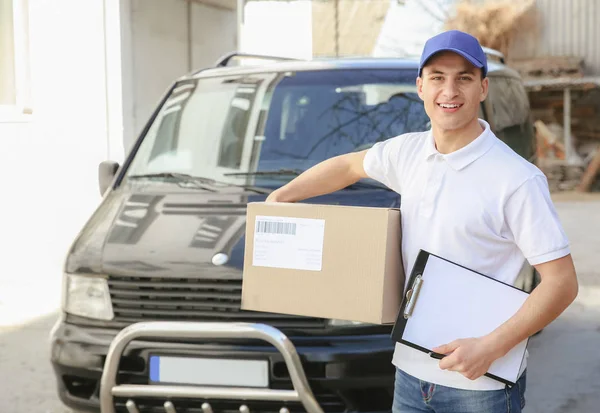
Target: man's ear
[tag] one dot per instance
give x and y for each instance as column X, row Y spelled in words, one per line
column 420, row 87
column 485, row 83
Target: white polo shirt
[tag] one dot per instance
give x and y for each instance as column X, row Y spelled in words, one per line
column 483, row 206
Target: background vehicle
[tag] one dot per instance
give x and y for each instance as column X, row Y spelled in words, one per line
column 166, row 243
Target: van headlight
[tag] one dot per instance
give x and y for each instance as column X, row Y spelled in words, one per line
column 345, row 323
column 87, row 296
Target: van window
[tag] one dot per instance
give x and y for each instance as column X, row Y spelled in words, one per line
column 219, row 127
column 317, row 115
column 200, row 130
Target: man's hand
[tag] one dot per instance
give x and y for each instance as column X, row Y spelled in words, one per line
column 272, row 197
column 470, row 357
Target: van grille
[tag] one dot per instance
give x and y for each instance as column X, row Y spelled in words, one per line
column 136, row 299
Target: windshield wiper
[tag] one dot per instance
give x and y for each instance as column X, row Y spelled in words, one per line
column 276, row 172
column 199, row 181
column 176, row 175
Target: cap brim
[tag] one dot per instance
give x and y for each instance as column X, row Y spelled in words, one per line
column 467, row 56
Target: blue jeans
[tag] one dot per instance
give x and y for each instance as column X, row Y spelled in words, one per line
column 412, row 395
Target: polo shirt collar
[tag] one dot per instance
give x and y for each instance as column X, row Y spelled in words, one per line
column 464, row 156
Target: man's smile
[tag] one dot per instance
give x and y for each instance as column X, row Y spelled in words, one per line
column 450, row 107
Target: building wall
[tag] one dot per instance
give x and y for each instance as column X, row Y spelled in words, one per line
column 359, row 25
column 306, row 28
column 50, row 157
column 567, row 28
column 96, row 70
column 214, row 33
column 163, row 40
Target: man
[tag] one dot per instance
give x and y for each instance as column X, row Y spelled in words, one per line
column 466, row 196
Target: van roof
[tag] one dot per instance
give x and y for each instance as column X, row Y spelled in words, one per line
column 341, row 63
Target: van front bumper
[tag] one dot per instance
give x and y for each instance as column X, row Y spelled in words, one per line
column 344, row 373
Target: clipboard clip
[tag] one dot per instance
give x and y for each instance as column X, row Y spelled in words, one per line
column 412, row 295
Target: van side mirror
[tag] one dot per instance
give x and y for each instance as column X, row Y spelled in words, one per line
column 106, row 173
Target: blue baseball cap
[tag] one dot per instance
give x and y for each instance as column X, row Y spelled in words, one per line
column 458, row 42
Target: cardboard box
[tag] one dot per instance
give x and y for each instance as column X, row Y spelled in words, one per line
column 329, row 261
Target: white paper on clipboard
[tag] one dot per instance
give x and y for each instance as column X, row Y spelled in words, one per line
column 455, row 302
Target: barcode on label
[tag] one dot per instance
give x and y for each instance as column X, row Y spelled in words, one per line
column 288, row 228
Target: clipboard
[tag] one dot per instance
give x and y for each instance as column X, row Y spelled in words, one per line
column 445, row 301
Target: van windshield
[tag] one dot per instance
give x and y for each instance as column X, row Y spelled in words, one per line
column 231, row 129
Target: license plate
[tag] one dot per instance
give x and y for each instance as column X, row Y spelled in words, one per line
column 209, row 371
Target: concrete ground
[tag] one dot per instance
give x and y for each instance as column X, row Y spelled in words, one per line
column 564, row 363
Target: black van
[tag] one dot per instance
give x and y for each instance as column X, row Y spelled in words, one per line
column 167, row 242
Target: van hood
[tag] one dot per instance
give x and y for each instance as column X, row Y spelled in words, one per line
column 139, row 231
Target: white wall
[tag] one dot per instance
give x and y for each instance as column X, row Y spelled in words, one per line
column 158, row 52
column 214, row 33
column 49, row 163
column 163, row 40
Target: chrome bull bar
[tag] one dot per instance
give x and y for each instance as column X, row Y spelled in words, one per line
column 160, row 330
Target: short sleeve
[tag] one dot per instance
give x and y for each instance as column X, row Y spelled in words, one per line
column 381, row 162
column 534, row 224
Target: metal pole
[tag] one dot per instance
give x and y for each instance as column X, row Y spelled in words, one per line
column 106, row 92
column 240, row 23
column 190, row 40
column 567, row 123
column 336, row 6
column 164, row 330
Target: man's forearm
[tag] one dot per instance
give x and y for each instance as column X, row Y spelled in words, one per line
column 326, row 177
column 548, row 300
